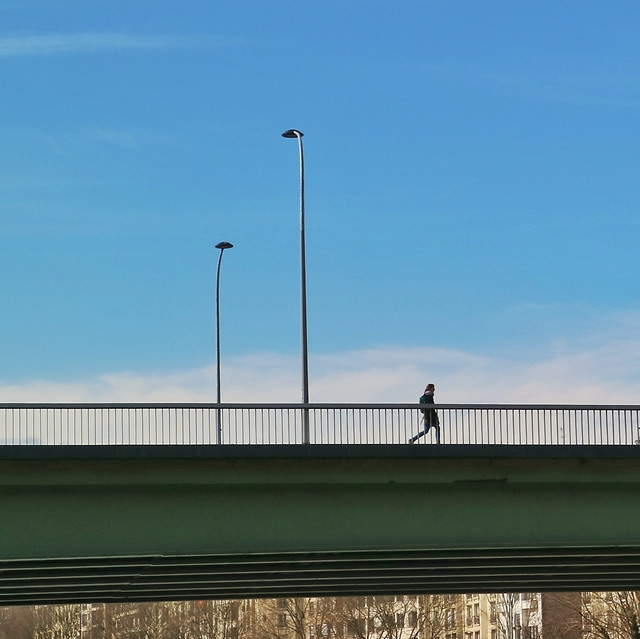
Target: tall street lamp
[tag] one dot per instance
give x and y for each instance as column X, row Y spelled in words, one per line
column 293, row 133
column 222, row 246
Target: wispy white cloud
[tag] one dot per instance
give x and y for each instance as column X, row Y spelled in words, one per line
column 39, row 45
column 603, row 374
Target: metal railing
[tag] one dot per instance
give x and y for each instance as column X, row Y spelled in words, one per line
column 139, row 424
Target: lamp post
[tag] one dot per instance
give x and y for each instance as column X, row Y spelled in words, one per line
column 294, row 133
column 222, row 246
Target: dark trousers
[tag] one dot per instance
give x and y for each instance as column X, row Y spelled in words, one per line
column 430, row 421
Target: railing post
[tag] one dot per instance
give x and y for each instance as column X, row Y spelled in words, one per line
column 306, row 439
column 218, row 425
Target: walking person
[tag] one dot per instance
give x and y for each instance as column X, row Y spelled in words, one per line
column 430, row 415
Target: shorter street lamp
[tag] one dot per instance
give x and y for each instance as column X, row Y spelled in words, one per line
column 222, row 246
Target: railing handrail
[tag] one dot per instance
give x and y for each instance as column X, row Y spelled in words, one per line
column 314, row 405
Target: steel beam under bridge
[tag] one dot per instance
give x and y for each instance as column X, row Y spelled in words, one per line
column 118, row 523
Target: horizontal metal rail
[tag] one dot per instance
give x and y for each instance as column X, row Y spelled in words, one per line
column 198, row 424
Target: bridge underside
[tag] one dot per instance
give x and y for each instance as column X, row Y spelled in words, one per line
column 162, row 578
column 144, row 524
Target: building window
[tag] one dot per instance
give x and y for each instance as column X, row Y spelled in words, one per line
column 450, row 620
column 412, row 618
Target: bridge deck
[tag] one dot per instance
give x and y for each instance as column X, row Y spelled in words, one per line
column 117, row 523
column 314, row 451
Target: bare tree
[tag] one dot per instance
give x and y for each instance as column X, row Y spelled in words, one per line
column 391, row 617
column 218, row 619
column 506, row 620
column 57, row 622
column 609, row 615
column 137, row 620
column 284, row 617
column 153, row 620
column 352, row 618
column 180, row 620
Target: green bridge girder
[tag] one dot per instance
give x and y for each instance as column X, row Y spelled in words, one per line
column 159, row 523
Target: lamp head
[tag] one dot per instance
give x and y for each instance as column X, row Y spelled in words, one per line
column 292, row 133
column 224, row 245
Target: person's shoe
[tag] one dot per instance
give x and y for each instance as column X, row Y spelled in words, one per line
column 411, row 441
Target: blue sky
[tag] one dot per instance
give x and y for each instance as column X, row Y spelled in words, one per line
column 472, row 196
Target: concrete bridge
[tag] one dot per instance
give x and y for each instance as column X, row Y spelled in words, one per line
column 154, row 521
